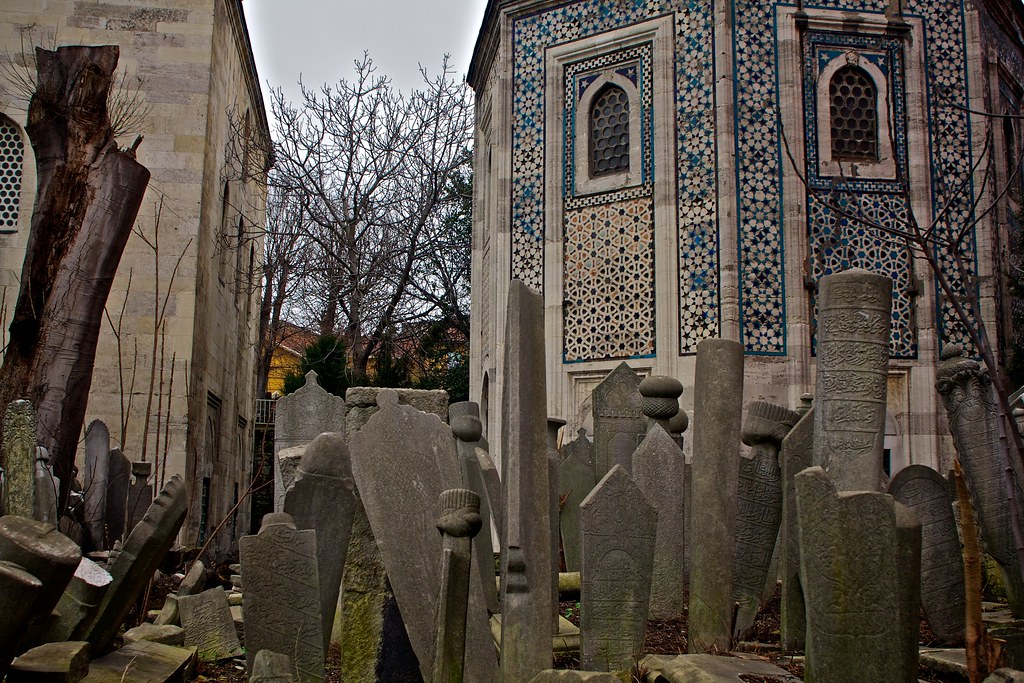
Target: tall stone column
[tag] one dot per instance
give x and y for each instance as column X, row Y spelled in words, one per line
column 459, row 522
column 854, row 321
column 718, row 399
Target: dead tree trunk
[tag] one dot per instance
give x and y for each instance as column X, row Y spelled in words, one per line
column 88, row 194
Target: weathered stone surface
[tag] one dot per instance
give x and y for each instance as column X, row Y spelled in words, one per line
column 660, row 395
column 206, row 618
column 658, row 472
column 619, row 424
column 860, row 568
column 281, row 602
column 759, row 507
column 66, row 662
column 492, row 486
column 795, row 455
column 166, row 634
column 712, row 669
column 194, row 581
column 19, row 590
column 554, row 425
column 298, row 418
column 140, row 494
column 966, row 392
column 144, row 661
column 575, row 481
column 564, row 676
column 47, row 486
column 1005, row 676
column 119, row 475
column 288, row 460
column 431, row 401
column 526, row 627
column 134, row 566
column 854, row 323
column 19, row 456
column 925, row 492
column 619, row 527
column 402, row 460
column 169, row 613
column 94, row 482
column 718, row 398
column 322, row 498
column 271, row 667
column 82, row 596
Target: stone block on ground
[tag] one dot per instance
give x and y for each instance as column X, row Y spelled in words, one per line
column 66, row 662
column 167, row 635
column 271, row 667
column 206, row 618
column 144, row 662
column 705, row 668
column 169, row 613
column 564, row 676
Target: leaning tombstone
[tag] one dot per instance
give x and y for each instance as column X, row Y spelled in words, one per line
column 19, row 459
column 718, row 398
column 97, row 470
column 271, row 667
column 575, row 481
column 19, row 591
column 206, row 618
column 966, row 392
column 140, row 494
column 281, row 601
column 619, row 424
column 926, row 493
column 194, row 582
column 860, row 556
column 79, row 600
column 759, row 507
column 619, row 527
column 658, row 472
column 134, row 566
column 854, row 322
column 119, row 475
column 322, row 498
column 46, row 487
column 795, row 455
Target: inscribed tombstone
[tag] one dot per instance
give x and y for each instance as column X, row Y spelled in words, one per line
column 619, row 527
column 281, row 602
column 658, row 472
column 926, row 493
column 619, row 423
column 575, row 481
column 206, row 618
column 97, row 470
column 19, row 459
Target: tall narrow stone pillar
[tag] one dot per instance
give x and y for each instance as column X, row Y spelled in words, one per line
column 718, row 400
column 554, row 424
column 795, row 455
column 459, row 523
column 19, row 458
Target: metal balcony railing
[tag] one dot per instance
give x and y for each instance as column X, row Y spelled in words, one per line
column 265, row 411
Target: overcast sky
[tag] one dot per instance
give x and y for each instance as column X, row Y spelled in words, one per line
column 320, row 39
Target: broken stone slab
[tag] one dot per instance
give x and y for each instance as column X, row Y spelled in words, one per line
column 287, row 464
column 194, row 581
column 206, row 618
column 79, row 600
column 167, row 634
column 705, row 668
column 271, row 667
column 564, row 676
column 19, row 590
column 66, row 662
column 170, row 614
column 18, row 459
column 144, row 661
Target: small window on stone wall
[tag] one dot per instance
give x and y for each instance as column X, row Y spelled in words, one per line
column 12, row 152
column 853, row 102
column 609, row 132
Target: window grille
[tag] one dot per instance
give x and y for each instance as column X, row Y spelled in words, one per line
column 854, row 111
column 12, row 151
column 609, row 132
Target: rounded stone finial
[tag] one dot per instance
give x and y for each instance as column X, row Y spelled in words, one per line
column 660, row 396
column 767, row 423
column 678, row 423
column 460, row 513
column 272, row 518
column 466, row 428
column 387, row 398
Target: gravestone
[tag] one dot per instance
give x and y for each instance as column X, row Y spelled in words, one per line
column 966, row 392
column 82, row 596
column 926, row 493
column 19, row 591
column 118, row 481
column 322, row 498
column 19, row 459
column 492, row 486
column 194, row 581
column 206, row 618
column 133, row 568
column 281, row 601
column 795, row 455
column 759, row 507
column 140, row 494
column 854, row 323
column 402, row 460
column 554, row 425
column 619, row 424
column 575, row 481
column 658, row 472
column 298, row 418
column 271, row 667
column 526, row 625
column 619, row 527
column 51, row 663
column 94, row 482
column 860, row 567
column 718, row 397
column 47, row 486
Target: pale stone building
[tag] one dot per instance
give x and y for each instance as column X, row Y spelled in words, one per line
column 635, row 163
column 182, row 308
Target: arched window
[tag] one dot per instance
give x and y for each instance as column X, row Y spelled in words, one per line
column 12, row 153
column 609, row 132
column 853, row 105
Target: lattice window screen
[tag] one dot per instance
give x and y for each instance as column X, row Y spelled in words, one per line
column 609, row 132
column 12, row 151
column 854, row 110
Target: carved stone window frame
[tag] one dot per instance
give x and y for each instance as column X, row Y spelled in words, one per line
column 586, row 182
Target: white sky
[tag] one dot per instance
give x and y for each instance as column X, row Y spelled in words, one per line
column 320, row 39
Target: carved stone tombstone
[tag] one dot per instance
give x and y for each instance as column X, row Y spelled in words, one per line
column 140, row 494
column 206, row 618
column 619, row 424
column 402, row 460
column 619, row 527
column 575, row 481
column 84, row 593
column 795, row 455
column 759, row 506
column 19, row 459
column 967, row 396
column 281, row 601
column 658, row 470
column 322, row 498
column 718, row 400
column 926, row 492
column 118, row 481
column 94, row 482
column 47, row 486
column 860, row 567
column 854, row 324
column 19, row 591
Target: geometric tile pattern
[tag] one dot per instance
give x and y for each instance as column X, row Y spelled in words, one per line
column 609, row 281
column 694, row 152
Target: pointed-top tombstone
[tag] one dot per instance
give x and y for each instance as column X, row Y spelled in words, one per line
column 575, row 481
column 94, row 482
column 19, row 459
column 619, row 424
column 619, row 527
column 118, row 480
